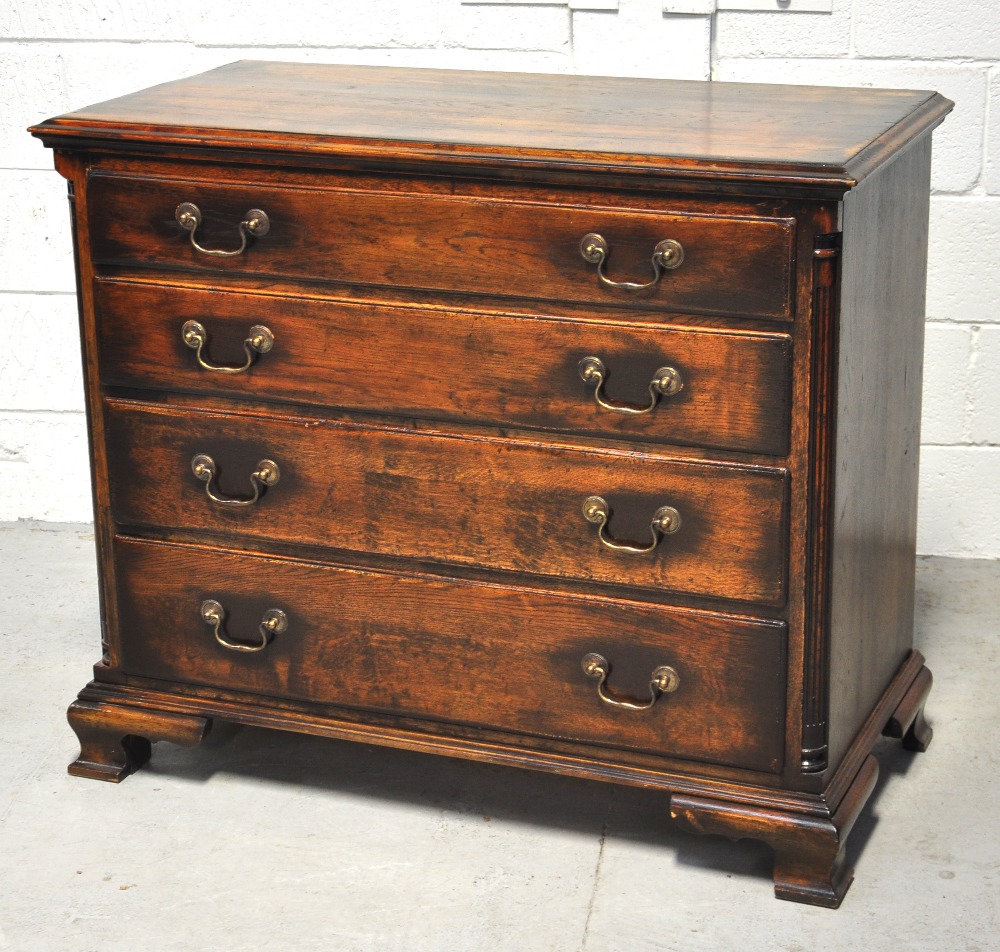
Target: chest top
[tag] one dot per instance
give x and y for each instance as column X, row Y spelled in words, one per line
column 794, row 134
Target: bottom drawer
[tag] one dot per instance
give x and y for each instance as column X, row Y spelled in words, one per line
column 493, row 656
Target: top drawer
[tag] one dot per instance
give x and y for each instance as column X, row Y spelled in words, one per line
column 729, row 265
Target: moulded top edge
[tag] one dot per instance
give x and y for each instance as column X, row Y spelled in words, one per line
column 801, row 134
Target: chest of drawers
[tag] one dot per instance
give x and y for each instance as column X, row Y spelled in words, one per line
column 566, row 423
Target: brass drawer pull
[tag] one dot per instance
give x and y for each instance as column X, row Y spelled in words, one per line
column 255, row 223
column 260, row 341
column 274, row 622
column 266, row 474
column 663, row 680
column 666, row 521
column 666, row 381
column 667, row 255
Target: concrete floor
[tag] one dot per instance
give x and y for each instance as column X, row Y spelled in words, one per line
column 263, row 841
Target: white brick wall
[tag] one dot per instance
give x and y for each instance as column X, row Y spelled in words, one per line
column 638, row 40
column 956, row 50
column 775, row 34
column 993, row 136
column 59, row 54
column 947, row 382
column 918, row 29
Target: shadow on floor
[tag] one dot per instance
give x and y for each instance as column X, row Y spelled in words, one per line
column 467, row 788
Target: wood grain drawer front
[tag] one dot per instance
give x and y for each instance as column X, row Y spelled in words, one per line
column 489, row 656
column 504, row 504
column 731, row 265
column 509, row 371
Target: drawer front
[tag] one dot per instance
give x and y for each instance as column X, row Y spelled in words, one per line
column 505, row 504
column 488, row 656
column 734, row 387
column 731, row 265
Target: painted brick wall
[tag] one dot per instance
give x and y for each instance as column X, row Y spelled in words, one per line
column 60, row 54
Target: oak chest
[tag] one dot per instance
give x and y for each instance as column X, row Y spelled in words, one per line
column 567, row 423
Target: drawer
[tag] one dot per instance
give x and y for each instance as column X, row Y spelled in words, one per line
column 510, row 371
column 514, row 505
column 455, row 651
column 731, row 265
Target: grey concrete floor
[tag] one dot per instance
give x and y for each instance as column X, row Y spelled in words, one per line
column 262, row 841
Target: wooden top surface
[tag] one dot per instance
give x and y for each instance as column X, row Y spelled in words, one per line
column 804, row 133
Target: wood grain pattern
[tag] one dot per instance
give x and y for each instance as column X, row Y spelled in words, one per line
column 874, row 517
column 718, row 131
column 813, row 750
column 731, row 265
column 426, row 537
column 401, row 644
column 448, row 364
column 115, row 741
column 503, row 503
column 809, row 853
column 907, row 721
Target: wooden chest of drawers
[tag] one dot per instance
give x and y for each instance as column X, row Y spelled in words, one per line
column 567, row 423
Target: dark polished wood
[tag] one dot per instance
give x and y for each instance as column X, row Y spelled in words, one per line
column 501, row 503
column 874, row 531
column 400, row 644
column 422, row 574
column 450, row 363
column 907, row 721
column 498, row 246
column 808, row 851
column 116, row 740
column 816, row 136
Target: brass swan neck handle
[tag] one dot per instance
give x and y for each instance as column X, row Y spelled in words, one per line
column 255, row 223
column 666, row 521
column 266, row 474
column 663, row 680
column 274, row 622
column 667, row 256
column 666, row 382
